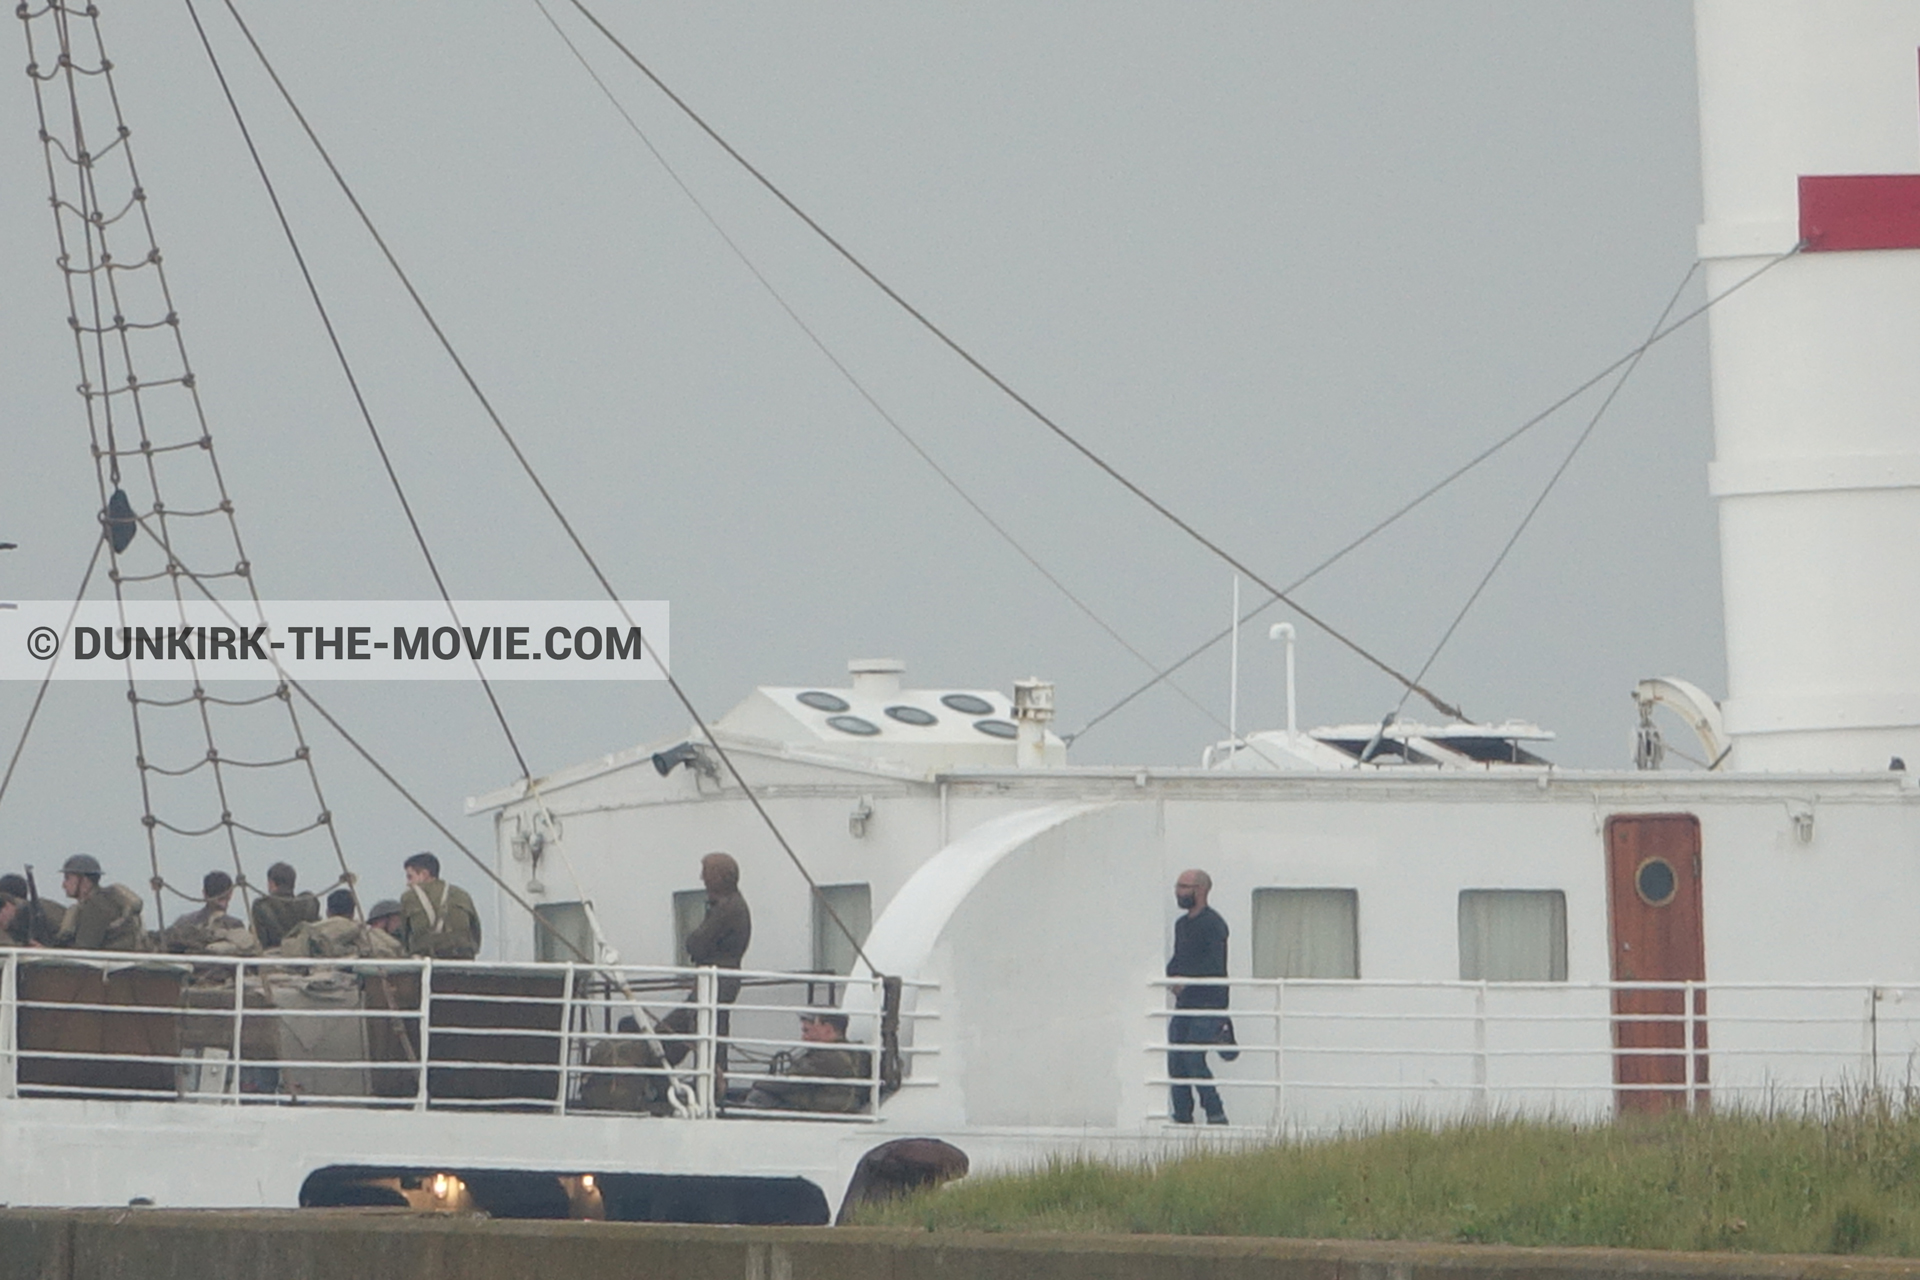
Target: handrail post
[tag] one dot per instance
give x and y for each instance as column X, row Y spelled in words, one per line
column 234, row 1069
column 10, row 1022
column 1280, row 1048
column 876, row 1059
column 706, row 1047
column 1687, row 996
column 566, row 1040
column 1873, row 1037
column 1483, row 1100
column 425, row 1024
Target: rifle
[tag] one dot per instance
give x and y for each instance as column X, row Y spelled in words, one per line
column 36, row 923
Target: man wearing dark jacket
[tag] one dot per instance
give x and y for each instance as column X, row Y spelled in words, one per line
column 1199, row 951
column 720, row 940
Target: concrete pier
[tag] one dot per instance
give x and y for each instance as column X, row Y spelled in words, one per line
column 156, row 1244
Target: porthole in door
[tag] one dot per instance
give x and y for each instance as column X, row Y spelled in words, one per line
column 1655, row 882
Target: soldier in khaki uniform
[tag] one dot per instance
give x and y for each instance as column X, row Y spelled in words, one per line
column 102, row 917
column 339, row 934
column 27, row 929
column 827, row 1056
column 437, row 919
column 276, row 914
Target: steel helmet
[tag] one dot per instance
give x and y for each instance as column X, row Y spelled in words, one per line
column 81, row 864
column 384, row 907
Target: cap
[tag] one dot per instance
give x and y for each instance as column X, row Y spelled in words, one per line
column 384, row 907
column 81, row 864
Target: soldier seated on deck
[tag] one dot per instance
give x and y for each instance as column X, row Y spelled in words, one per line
column 26, row 931
column 210, row 929
column 602, row 1091
column 339, row 934
column 102, row 917
column 828, row 1056
column 276, row 914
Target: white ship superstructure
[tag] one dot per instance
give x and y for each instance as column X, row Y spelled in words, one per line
column 1428, row 917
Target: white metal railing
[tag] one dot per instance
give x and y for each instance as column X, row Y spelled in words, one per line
column 1324, row 1052
column 419, row 1034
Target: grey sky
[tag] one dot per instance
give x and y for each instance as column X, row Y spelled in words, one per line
column 1284, row 263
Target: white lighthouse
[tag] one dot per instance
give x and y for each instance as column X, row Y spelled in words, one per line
column 1810, row 136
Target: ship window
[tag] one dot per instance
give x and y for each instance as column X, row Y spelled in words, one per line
column 1306, row 933
column 568, row 920
column 689, row 909
column 820, row 700
column 913, row 715
column 1655, row 882
column 1513, row 935
column 997, row 728
column 853, row 903
column 855, row 725
column 967, row 704
column 1492, row 750
column 1387, row 751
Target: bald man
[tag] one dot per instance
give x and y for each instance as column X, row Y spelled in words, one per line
column 1199, row 951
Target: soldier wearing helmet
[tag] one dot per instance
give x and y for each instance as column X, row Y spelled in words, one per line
column 102, row 917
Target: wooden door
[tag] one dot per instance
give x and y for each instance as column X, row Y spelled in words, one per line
column 1653, row 900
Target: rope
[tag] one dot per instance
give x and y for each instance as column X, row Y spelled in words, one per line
column 40, row 694
column 533, row 476
column 103, row 344
column 854, row 382
column 388, row 776
column 353, row 382
column 1033, row 411
column 1430, row 491
column 1553, row 480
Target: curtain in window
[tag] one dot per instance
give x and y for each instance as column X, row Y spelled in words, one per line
column 1306, row 933
column 1513, row 935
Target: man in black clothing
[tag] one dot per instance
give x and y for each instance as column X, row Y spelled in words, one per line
column 1199, row 951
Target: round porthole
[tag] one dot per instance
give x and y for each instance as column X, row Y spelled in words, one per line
column 997, row 728
column 854, row 725
column 1655, row 882
column 820, row 700
column 968, row 705
column 913, row 716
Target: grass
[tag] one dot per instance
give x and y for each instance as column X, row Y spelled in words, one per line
column 1840, row 1175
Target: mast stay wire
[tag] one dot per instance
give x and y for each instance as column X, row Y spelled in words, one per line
column 526, row 465
column 66, row 629
column 852, row 380
column 353, row 382
column 365, row 754
column 1579, row 443
column 99, row 263
column 1407, row 508
column 1032, row 410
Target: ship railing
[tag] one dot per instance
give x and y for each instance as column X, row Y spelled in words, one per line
column 1323, row 1052
column 450, row 1034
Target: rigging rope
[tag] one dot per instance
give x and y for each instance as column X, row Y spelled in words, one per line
column 108, row 374
column 40, row 694
column 860, row 388
column 386, row 774
column 1437, row 486
column 353, row 382
column 1553, row 480
column 1032, row 410
column 527, row 467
